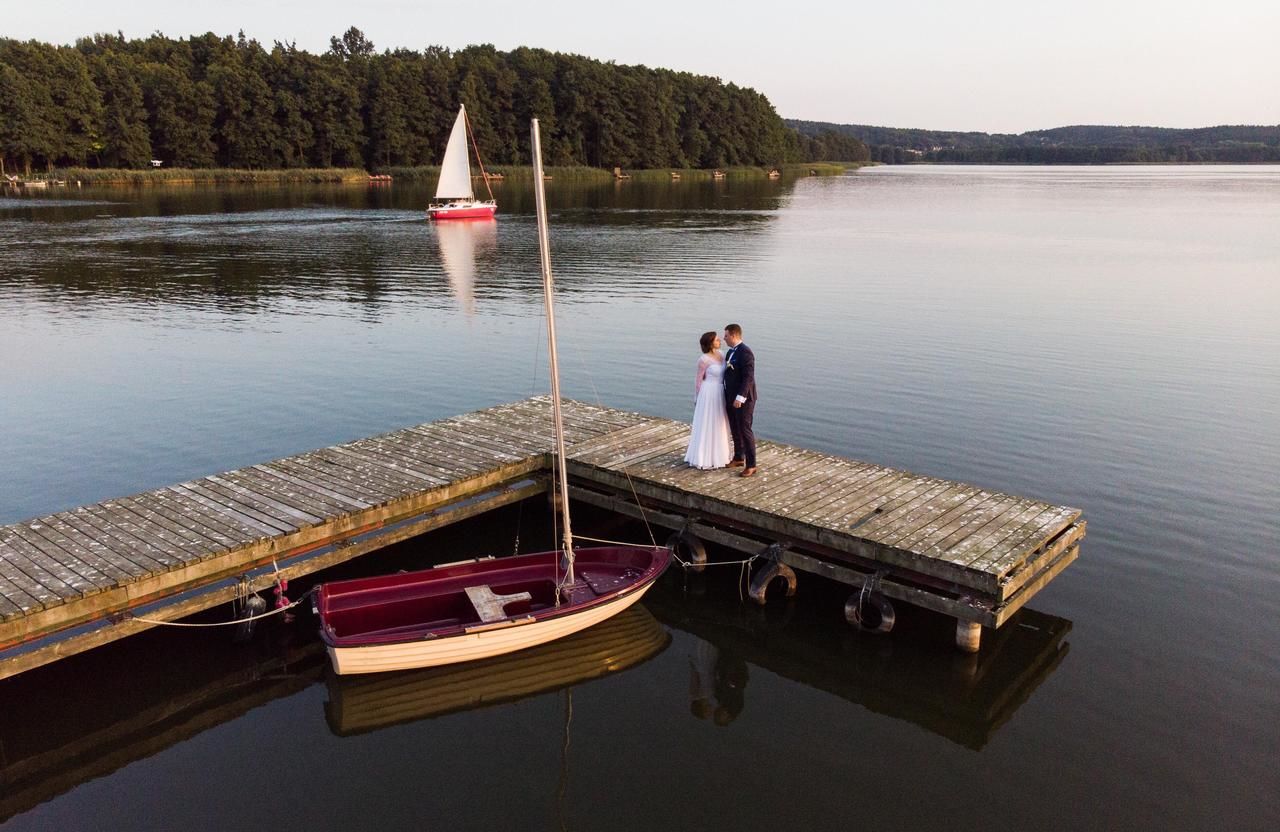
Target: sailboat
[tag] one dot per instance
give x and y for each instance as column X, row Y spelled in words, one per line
column 455, row 200
column 477, row 609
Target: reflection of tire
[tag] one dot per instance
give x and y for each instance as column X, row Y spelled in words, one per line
column 870, row 612
column 688, row 550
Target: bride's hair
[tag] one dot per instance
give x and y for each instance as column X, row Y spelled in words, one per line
column 707, row 339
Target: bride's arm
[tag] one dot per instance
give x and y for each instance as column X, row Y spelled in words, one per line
column 699, row 376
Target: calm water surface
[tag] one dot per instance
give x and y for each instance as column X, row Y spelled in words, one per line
column 1104, row 338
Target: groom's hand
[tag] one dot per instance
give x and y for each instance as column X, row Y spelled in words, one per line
column 737, row 403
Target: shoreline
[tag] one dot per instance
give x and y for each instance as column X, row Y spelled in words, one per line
column 95, row 177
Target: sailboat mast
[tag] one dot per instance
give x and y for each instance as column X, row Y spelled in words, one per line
column 544, row 247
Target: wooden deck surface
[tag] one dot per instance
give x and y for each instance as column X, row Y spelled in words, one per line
column 66, row 568
column 962, row 534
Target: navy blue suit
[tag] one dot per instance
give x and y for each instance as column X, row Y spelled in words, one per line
column 740, row 380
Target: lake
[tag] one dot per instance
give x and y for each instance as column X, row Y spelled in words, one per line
column 1105, row 338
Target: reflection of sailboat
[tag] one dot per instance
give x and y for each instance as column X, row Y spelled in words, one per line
column 459, row 244
column 964, row 698
column 472, row 610
column 366, row 703
column 455, row 200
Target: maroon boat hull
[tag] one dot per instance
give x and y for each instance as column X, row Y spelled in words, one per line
column 454, row 601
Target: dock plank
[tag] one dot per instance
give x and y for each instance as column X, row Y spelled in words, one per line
column 154, row 510
column 334, row 495
column 87, row 572
column 303, row 499
column 246, row 504
column 220, row 505
column 69, row 527
column 371, row 457
column 308, row 467
column 264, row 502
column 185, row 503
column 394, row 482
column 422, row 457
column 122, row 541
column 112, row 569
column 27, row 582
column 52, row 576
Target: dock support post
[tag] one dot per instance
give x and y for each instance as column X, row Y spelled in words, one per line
column 968, row 635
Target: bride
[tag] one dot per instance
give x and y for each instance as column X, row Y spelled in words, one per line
column 710, row 444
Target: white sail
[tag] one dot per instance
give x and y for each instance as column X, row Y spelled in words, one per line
column 455, row 170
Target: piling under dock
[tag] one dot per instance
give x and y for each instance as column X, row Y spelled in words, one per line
column 80, row 578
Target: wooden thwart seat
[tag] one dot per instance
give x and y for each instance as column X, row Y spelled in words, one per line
column 490, row 605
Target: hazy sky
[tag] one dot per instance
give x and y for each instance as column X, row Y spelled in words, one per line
column 1000, row 66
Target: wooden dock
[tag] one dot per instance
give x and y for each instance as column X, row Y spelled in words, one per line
column 76, row 579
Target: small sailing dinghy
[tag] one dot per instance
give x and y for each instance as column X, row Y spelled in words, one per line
column 481, row 608
column 455, row 200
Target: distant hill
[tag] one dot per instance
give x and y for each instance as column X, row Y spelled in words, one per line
column 1083, row 144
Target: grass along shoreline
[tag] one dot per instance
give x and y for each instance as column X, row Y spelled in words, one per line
column 301, row 176
column 207, row 176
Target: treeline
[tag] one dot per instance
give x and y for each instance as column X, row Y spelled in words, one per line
column 211, row 101
column 1079, row 145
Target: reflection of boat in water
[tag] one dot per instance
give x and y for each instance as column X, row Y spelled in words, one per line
column 460, row 242
column 964, row 698
column 358, row 704
column 93, row 714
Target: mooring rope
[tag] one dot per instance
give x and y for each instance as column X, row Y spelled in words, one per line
column 684, row 563
column 131, row 617
column 869, row 585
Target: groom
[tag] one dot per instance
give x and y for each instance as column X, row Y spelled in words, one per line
column 740, row 399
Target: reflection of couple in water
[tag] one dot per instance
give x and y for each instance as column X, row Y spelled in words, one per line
column 724, row 396
column 717, row 684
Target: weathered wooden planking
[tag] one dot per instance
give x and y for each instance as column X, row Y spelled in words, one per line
column 941, row 529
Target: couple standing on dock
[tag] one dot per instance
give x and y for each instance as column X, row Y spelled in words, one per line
column 724, row 392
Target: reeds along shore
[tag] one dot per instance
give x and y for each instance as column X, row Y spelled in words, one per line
column 299, row 176
column 208, row 176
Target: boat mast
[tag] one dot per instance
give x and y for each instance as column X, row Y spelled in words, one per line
column 544, row 248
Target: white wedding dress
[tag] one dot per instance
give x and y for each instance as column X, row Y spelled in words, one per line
column 710, row 443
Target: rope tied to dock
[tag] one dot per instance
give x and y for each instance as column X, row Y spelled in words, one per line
column 870, row 585
column 128, row 616
column 674, row 554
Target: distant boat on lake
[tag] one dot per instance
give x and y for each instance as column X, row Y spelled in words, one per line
column 455, row 200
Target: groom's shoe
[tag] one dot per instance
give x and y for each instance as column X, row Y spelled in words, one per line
column 748, row 472
column 736, row 463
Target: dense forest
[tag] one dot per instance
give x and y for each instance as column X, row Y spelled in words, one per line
column 1061, row 145
column 211, row 101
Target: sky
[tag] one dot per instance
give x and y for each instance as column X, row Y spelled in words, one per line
column 985, row 65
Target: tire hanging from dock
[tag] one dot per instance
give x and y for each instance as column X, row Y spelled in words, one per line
column 869, row 610
column 773, row 568
column 688, row 550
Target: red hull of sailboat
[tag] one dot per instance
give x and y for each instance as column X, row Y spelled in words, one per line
column 474, row 212
column 421, row 619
